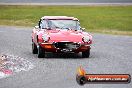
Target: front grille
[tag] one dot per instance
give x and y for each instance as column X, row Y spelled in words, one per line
column 67, row 45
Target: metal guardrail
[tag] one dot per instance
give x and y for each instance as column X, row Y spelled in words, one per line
column 87, row 4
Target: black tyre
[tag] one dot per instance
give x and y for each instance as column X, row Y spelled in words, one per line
column 81, row 80
column 86, row 54
column 34, row 48
column 41, row 52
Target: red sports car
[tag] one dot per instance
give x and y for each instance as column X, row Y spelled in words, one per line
column 60, row 34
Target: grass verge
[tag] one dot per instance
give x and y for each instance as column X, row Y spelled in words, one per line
column 102, row 19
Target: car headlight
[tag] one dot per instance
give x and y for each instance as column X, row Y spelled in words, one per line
column 45, row 37
column 86, row 39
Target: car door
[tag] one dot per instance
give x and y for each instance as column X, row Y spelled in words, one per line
column 42, row 24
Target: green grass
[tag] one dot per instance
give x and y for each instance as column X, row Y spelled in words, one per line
column 103, row 19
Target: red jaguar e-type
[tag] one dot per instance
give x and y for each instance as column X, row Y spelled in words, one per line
column 60, row 34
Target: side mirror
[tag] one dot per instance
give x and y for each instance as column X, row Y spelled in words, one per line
column 36, row 27
column 83, row 29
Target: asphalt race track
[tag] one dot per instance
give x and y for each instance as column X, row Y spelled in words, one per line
column 109, row 54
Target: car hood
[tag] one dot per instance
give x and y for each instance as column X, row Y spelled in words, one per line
column 65, row 35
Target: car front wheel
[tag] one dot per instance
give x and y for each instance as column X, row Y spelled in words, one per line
column 41, row 52
column 86, row 54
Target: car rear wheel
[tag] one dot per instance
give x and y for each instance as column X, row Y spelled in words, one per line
column 34, row 48
column 41, row 52
column 86, row 54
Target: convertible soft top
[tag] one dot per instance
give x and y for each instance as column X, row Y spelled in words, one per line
column 59, row 18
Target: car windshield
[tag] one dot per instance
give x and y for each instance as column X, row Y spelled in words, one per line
column 64, row 24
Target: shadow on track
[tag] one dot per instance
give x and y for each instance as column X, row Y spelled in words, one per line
column 62, row 56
